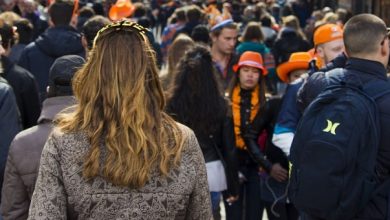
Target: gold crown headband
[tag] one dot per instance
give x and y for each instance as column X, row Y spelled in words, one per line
column 122, row 25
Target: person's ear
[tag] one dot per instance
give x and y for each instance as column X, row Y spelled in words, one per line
column 84, row 41
column 73, row 21
column 50, row 22
column 385, row 47
column 213, row 38
column 320, row 52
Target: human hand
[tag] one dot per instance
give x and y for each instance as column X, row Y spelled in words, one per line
column 278, row 172
column 231, row 199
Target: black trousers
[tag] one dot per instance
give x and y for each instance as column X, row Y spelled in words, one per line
column 281, row 211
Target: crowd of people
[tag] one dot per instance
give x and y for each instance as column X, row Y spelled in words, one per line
column 170, row 109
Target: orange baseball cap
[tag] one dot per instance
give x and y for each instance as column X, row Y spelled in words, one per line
column 253, row 59
column 327, row 33
column 297, row 61
column 121, row 9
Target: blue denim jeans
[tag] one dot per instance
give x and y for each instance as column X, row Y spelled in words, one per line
column 215, row 200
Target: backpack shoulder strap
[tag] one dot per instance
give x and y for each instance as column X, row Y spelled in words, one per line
column 334, row 75
column 377, row 88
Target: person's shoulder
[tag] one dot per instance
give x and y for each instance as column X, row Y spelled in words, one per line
column 319, row 75
column 29, row 141
column 28, row 135
column 189, row 139
column 294, row 86
column 31, row 46
column 4, row 84
column 22, row 72
column 68, row 140
column 5, row 90
column 185, row 131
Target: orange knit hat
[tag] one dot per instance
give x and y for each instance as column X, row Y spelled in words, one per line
column 121, row 9
column 327, row 33
column 253, row 59
column 297, row 61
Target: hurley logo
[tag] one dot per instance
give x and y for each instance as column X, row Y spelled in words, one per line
column 331, row 127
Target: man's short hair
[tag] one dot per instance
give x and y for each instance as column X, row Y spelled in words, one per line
column 194, row 13
column 180, row 14
column 61, row 12
column 218, row 31
column 92, row 26
column 363, row 34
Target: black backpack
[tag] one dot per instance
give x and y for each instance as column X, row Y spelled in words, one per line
column 334, row 150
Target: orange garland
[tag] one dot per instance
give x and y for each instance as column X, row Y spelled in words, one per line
column 236, row 105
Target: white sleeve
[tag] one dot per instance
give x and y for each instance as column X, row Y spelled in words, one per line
column 283, row 141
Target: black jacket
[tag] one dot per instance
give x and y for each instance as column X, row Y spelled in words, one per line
column 366, row 71
column 220, row 146
column 39, row 55
column 26, row 92
column 264, row 120
column 217, row 144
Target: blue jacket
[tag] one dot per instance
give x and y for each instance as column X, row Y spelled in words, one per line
column 9, row 123
column 314, row 84
column 291, row 110
column 39, row 55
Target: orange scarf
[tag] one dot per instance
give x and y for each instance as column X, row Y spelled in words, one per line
column 236, row 105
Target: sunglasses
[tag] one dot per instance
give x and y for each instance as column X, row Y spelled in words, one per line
column 122, row 25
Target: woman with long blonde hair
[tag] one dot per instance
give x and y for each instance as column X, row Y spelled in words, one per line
column 117, row 155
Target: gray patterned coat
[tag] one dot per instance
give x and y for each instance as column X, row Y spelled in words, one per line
column 62, row 193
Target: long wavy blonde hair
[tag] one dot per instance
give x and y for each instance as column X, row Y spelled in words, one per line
column 120, row 103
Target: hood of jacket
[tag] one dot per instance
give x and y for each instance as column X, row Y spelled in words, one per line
column 54, row 105
column 59, row 41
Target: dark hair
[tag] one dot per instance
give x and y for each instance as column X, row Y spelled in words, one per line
column 343, row 15
column 144, row 21
column 25, row 29
column 201, row 34
column 363, row 34
column 7, row 35
column 180, row 14
column 196, row 100
column 140, row 10
column 253, row 32
column 92, row 26
column 266, row 21
column 236, row 80
column 61, row 12
column 85, row 13
column 193, row 13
